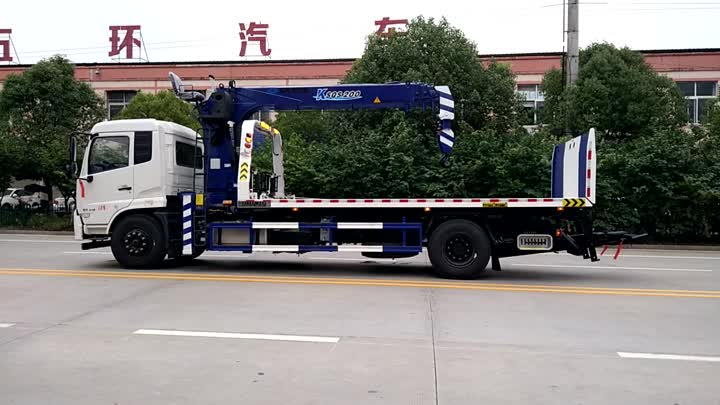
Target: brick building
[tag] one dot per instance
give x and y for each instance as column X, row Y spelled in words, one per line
column 697, row 72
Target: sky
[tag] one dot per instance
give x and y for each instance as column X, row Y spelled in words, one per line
column 197, row 31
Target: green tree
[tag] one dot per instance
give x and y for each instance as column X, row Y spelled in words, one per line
column 665, row 183
column 435, row 52
column 395, row 153
column 161, row 106
column 616, row 93
column 712, row 123
column 40, row 109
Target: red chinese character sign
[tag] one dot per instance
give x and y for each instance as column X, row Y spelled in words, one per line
column 123, row 38
column 6, row 44
column 256, row 33
column 386, row 26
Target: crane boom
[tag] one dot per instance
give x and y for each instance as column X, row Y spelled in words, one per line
column 223, row 141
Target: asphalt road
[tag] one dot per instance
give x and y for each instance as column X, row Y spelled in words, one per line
column 75, row 328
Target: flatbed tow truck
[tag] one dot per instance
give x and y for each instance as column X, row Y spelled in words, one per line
column 154, row 190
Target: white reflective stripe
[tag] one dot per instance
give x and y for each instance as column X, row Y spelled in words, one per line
column 275, row 225
column 187, row 213
column 187, row 236
column 186, row 199
column 418, row 203
column 449, row 132
column 446, row 115
column 187, row 224
column 571, row 165
column 446, row 141
column 187, row 249
column 443, row 89
column 275, row 248
column 359, row 225
column 447, row 102
column 359, row 248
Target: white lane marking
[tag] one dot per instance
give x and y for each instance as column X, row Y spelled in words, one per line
column 609, row 267
column 289, row 338
column 652, row 256
column 658, row 356
column 673, row 257
column 6, row 325
column 40, row 241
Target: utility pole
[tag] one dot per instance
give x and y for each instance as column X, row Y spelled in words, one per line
column 572, row 59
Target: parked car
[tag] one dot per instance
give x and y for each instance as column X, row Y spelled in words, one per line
column 60, row 206
column 18, row 197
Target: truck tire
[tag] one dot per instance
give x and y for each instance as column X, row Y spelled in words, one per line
column 459, row 249
column 138, row 242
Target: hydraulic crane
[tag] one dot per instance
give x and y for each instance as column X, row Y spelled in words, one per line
column 224, row 111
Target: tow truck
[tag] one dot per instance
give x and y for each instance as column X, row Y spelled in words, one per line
column 156, row 191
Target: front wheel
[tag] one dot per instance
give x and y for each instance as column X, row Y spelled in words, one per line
column 459, row 249
column 138, row 242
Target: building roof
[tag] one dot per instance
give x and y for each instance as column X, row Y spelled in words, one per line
column 532, row 64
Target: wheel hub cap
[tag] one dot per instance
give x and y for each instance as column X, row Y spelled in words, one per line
column 137, row 242
column 459, row 249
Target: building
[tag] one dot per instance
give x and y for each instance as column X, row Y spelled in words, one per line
column 697, row 72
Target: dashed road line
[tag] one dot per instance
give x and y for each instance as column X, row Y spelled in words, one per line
column 227, row 335
column 659, row 356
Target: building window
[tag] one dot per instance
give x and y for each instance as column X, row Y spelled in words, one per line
column 533, row 102
column 117, row 100
column 698, row 98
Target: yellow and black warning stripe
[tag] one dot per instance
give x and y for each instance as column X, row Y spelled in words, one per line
column 244, row 171
column 573, row 202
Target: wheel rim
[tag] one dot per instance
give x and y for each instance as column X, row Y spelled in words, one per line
column 459, row 250
column 137, row 242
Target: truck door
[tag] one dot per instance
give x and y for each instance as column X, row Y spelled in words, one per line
column 106, row 187
column 147, row 169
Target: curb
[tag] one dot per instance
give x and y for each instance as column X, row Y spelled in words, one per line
column 34, row 232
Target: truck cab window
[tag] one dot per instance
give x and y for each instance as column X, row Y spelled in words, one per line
column 185, row 154
column 108, row 153
column 143, row 147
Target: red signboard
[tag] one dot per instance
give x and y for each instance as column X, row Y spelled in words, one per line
column 127, row 43
column 5, row 45
column 254, row 32
column 386, row 26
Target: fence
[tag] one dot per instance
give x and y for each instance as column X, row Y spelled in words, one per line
column 56, row 218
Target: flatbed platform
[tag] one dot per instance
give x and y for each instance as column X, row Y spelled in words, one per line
column 418, row 203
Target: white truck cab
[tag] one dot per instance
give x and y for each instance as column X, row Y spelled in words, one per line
column 132, row 165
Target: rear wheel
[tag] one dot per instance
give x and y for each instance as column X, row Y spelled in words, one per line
column 459, row 249
column 138, row 242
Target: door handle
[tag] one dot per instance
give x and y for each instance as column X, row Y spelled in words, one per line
column 124, row 188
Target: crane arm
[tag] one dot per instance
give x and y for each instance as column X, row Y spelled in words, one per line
column 239, row 104
column 224, row 111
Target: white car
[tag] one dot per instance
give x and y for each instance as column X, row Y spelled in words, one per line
column 59, row 204
column 16, row 197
